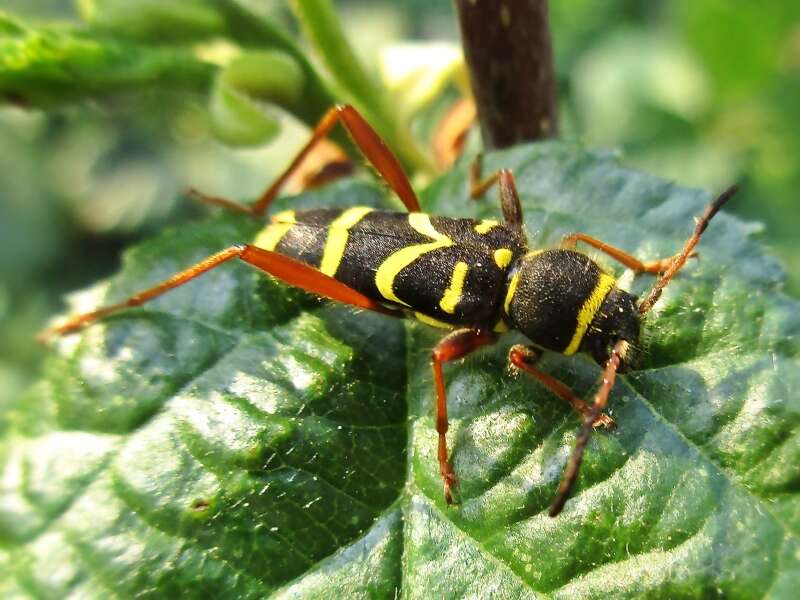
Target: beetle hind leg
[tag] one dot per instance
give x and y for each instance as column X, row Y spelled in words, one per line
column 288, row 270
column 365, row 137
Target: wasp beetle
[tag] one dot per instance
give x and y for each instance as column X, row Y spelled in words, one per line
column 475, row 278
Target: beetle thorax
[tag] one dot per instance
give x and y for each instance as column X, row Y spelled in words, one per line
column 563, row 301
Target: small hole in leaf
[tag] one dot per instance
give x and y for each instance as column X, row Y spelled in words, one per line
column 200, row 504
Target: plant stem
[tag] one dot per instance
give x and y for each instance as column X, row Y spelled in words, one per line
column 323, row 28
column 508, row 50
column 253, row 31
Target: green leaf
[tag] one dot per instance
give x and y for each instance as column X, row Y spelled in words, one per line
column 47, row 66
column 43, row 66
column 153, row 19
column 237, row 438
column 244, row 89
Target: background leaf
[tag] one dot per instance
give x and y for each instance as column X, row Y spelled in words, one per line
column 46, row 66
column 236, row 437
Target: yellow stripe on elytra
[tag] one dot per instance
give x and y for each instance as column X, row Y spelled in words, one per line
column 338, row 234
column 485, row 226
column 453, row 293
column 423, row 318
column 512, row 289
column 400, row 259
column 502, row 257
column 269, row 237
column 589, row 310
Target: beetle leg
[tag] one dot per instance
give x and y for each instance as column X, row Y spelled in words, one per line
column 367, row 140
column 452, row 347
column 451, row 132
column 284, row 268
column 688, row 249
column 79, row 321
column 653, row 267
column 509, row 198
column 524, row 358
column 478, row 185
column 589, row 423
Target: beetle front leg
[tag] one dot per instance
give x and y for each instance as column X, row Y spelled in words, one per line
column 524, row 357
column 654, row 267
column 589, row 424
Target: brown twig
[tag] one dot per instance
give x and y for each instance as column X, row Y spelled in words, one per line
column 507, row 48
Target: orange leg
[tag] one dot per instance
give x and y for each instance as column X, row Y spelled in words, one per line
column 452, row 347
column 509, row 198
column 78, row 321
column 284, row 268
column 524, row 357
column 654, row 267
column 451, row 132
column 365, row 137
column 479, row 185
column 589, row 423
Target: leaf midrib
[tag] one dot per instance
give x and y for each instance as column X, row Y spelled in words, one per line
column 729, row 477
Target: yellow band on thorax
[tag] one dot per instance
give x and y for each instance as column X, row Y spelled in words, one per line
column 589, row 309
column 512, row 289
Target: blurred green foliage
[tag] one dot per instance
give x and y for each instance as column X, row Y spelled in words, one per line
column 705, row 92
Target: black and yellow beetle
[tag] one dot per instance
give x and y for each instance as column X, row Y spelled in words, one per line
column 477, row 278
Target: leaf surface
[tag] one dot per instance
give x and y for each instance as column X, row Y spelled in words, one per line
column 239, row 438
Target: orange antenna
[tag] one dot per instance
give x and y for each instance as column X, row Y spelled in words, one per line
column 688, row 247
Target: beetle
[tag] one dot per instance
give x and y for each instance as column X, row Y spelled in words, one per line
column 478, row 279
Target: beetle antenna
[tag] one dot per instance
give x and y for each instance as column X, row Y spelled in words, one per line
column 621, row 348
column 688, row 247
column 600, row 399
